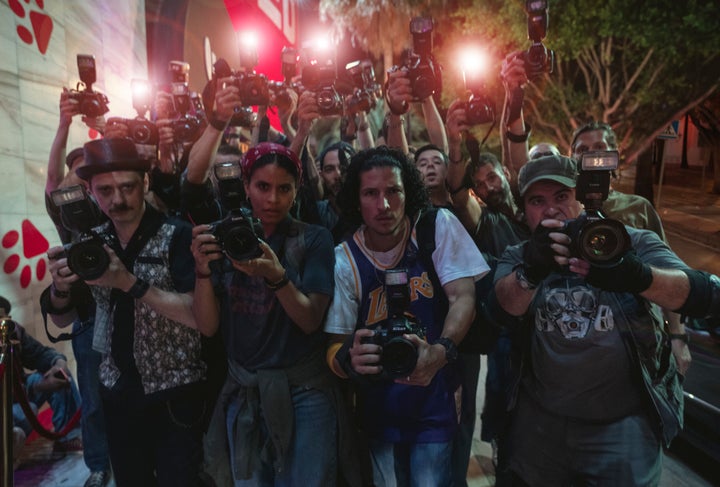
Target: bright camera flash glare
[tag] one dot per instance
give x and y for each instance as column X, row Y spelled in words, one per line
column 249, row 39
column 140, row 87
column 473, row 61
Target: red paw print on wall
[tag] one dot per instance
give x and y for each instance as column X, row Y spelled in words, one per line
column 42, row 24
column 33, row 244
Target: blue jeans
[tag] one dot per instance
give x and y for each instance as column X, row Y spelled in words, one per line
column 64, row 404
column 312, row 457
column 95, row 449
column 548, row 449
column 411, row 465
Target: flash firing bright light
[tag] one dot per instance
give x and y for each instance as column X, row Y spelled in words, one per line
column 474, row 62
column 249, row 39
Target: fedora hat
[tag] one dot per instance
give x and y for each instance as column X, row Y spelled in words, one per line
column 108, row 155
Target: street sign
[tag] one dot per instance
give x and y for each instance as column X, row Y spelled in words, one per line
column 671, row 131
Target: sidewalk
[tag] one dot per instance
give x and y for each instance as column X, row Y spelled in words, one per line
column 686, row 205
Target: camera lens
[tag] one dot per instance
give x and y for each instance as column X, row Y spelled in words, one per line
column 240, row 243
column 399, row 357
column 88, row 259
column 603, row 242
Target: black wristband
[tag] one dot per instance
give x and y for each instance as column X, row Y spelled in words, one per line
column 284, row 281
column 218, row 124
column 703, row 300
column 139, row 289
column 519, row 139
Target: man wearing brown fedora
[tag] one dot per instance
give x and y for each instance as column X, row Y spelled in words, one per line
column 151, row 375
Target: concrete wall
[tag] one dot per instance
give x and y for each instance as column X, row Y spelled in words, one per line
column 39, row 41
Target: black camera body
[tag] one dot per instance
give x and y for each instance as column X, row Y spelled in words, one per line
column 86, row 255
column 479, row 108
column 186, row 128
column 320, row 78
column 538, row 58
column 141, row 130
column 360, row 86
column 421, row 68
column 90, row 103
column 239, row 235
column 594, row 238
column 399, row 355
column 253, row 87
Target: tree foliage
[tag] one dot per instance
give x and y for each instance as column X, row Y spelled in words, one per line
column 634, row 65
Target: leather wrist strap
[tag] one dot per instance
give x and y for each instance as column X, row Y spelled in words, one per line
column 218, row 124
column 519, row 139
column 279, row 284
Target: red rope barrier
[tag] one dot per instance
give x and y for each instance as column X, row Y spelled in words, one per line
column 19, row 393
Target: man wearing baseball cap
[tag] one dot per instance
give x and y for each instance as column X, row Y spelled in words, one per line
column 585, row 405
column 151, row 374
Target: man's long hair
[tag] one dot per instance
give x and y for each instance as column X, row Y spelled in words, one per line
column 416, row 197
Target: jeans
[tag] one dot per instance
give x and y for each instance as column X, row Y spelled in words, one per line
column 156, row 443
column 411, row 465
column 64, row 403
column 462, row 443
column 548, row 449
column 312, row 457
column 95, row 449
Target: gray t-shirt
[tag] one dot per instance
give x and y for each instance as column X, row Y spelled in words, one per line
column 579, row 364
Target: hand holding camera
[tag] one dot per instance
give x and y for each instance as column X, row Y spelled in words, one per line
column 629, row 275
column 456, row 122
column 546, row 249
column 398, row 94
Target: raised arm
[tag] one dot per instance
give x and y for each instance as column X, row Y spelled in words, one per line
column 204, row 149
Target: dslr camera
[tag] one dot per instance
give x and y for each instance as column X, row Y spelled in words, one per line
column 479, row 108
column 186, row 126
column 91, row 103
column 321, row 78
column 594, row 238
column 422, row 71
column 538, row 58
column 86, row 255
column 399, row 355
column 362, row 86
column 142, row 131
column 239, row 234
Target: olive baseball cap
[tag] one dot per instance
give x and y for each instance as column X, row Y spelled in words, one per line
column 560, row 169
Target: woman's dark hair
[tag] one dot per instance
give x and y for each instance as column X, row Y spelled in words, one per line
column 271, row 153
column 416, row 197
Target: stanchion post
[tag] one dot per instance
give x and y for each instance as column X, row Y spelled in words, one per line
column 7, row 326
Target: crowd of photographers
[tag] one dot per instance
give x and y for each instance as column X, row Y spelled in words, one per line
column 222, row 340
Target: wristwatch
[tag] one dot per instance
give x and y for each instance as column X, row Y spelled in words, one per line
column 451, row 351
column 522, row 280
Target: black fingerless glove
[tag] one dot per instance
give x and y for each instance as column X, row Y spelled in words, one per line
column 538, row 256
column 630, row 275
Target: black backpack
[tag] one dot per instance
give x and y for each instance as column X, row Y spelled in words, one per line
column 484, row 330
